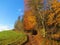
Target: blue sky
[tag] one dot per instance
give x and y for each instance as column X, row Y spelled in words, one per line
column 9, row 12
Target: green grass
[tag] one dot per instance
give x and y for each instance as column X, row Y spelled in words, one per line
column 12, row 37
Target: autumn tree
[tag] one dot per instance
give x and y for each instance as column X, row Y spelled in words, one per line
column 37, row 8
column 47, row 19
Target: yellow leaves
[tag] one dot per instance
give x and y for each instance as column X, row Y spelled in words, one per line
column 42, row 31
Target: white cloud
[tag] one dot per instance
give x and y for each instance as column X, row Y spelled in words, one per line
column 5, row 27
column 20, row 12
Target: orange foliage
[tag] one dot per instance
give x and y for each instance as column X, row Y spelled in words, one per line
column 29, row 20
column 54, row 12
column 53, row 19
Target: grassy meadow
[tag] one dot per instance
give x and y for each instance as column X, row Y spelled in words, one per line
column 12, row 38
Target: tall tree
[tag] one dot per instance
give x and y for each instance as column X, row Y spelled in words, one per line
column 18, row 25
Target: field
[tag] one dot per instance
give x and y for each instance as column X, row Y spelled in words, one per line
column 12, row 38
